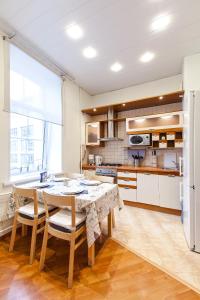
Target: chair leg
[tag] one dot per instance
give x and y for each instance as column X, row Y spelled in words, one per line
column 13, row 235
column 71, row 263
column 44, row 248
column 33, row 242
column 24, row 230
column 113, row 218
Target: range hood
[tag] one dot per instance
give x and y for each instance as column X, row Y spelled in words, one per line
column 111, row 129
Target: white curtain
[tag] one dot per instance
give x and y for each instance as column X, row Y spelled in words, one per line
column 35, row 91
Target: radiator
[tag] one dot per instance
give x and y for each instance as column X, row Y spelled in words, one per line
column 6, row 213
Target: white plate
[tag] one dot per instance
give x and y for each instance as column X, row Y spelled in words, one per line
column 90, row 182
column 72, row 190
column 41, row 185
column 61, row 179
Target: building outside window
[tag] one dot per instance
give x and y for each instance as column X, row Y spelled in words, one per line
column 35, row 116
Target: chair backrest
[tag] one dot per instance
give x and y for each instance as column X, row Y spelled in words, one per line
column 60, row 201
column 29, row 193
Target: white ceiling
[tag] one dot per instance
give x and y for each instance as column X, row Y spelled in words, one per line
column 118, row 29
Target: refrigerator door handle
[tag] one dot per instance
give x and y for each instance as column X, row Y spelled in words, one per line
column 181, row 191
column 181, row 166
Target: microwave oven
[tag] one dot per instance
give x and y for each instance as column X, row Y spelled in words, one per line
column 140, row 139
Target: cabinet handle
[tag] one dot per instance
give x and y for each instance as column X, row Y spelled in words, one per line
column 127, row 188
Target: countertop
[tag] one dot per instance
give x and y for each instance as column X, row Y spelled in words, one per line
column 129, row 168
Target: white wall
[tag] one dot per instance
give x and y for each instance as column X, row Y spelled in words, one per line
column 73, row 131
column 149, row 89
column 4, row 125
column 191, row 72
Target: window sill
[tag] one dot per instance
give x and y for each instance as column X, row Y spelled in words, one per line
column 24, row 179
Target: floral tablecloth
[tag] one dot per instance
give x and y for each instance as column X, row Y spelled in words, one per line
column 95, row 201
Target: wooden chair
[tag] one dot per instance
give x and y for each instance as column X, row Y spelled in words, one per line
column 65, row 224
column 31, row 214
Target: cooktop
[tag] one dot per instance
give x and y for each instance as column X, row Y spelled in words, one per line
column 110, row 165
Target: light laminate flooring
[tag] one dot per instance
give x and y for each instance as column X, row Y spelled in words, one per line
column 159, row 238
column 118, row 274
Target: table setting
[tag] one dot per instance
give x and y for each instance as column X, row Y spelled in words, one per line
column 95, row 198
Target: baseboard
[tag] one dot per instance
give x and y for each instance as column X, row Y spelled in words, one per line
column 165, row 210
column 5, row 231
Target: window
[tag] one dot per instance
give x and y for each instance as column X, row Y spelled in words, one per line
column 35, row 107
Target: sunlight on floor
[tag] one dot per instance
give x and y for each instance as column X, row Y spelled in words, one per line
column 159, row 237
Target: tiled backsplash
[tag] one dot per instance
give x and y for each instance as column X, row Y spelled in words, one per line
column 117, row 151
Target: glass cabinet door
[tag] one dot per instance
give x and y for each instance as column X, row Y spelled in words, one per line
column 162, row 121
column 92, row 133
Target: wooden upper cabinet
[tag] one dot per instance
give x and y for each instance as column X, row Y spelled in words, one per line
column 152, row 123
column 92, row 131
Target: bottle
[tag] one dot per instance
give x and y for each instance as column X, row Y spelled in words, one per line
column 154, row 159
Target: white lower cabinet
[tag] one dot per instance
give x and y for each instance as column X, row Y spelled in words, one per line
column 169, row 188
column 128, row 194
column 147, row 188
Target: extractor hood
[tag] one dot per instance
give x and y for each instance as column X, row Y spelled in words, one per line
column 111, row 129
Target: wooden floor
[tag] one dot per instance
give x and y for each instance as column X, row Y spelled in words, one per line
column 117, row 274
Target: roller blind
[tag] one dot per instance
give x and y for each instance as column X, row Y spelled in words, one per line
column 35, row 91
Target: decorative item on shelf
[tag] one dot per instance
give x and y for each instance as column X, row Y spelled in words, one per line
column 178, row 144
column 163, row 144
column 155, row 137
column 171, row 136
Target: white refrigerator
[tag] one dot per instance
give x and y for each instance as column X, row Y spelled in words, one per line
column 191, row 170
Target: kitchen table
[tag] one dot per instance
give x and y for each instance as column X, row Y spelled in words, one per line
column 96, row 201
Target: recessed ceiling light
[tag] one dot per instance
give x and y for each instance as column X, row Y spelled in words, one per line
column 161, row 22
column 94, row 109
column 140, row 120
column 147, row 56
column 180, row 96
column 116, row 67
column 89, row 52
column 161, row 97
column 74, row 31
column 123, row 104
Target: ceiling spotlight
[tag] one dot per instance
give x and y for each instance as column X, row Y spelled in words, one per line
column 161, row 97
column 116, row 67
column 94, row 109
column 147, row 56
column 180, row 96
column 89, row 52
column 74, row 31
column 160, row 23
column 123, row 104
